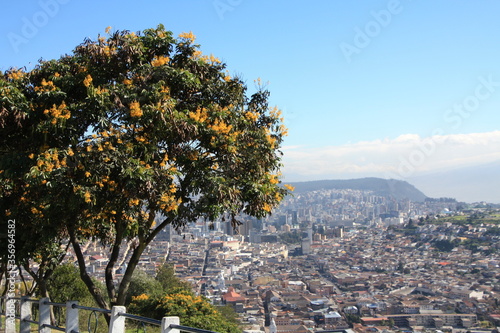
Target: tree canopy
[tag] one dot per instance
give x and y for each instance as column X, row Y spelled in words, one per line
column 125, row 135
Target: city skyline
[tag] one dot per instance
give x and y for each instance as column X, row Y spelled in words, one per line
column 391, row 89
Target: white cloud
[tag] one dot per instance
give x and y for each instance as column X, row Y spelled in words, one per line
column 405, row 156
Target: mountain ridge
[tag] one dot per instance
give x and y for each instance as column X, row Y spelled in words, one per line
column 390, row 188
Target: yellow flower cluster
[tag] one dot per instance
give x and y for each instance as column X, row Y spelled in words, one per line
column 105, row 180
column 46, row 86
column 101, row 91
column 159, row 61
column 276, row 113
column 271, row 140
column 87, row 81
column 252, row 116
column 197, row 54
column 133, row 202
column 165, row 90
column 267, row 207
column 200, row 115
column 135, row 109
column 273, row 179
column 167, row 200
column 87, row 197
column 108, row 50
column 142, row 297
column 163, row 163
column 211, row 58
column 49, row 161
column 15, row 75
column 188, row 35
column 58, row 112
column 221, row 127
column 127, row 81
column 289, row 187
column 283, row 130
column 36, row 211
column 140, row 138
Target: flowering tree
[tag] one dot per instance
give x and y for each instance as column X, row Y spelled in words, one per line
column 130, row 127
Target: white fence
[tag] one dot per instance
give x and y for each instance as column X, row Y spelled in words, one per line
column 21, row 308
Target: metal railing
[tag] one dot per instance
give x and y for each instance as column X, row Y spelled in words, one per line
column 21, row 308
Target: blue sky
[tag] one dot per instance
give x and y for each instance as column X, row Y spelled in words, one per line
column 393, row 88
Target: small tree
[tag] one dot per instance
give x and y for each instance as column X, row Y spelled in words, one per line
column 126, row 135
column 169, row 281
column 141, row 283
column 65, row 285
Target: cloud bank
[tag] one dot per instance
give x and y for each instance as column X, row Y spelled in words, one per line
column 404, row 157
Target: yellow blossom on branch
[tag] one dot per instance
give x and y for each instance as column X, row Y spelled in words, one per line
column 58, row 112
column 142, row 297
column 252, row 116
column 135, row 109
column 188, row 35
column 200, row 115
column 46, row 86
column 159, row 61
column 197, row 54
column 15, row 75
column 133, row 202
column 87, row 197
column 274, row 179
column 221, row 127
column 87, row 81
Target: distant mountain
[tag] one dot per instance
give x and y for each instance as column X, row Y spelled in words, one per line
column 397, row 189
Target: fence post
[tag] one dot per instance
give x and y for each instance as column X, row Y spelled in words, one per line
column 72, row 323
column 165, row 324
column 25, row 314
column 2, row 312
column 44, row 315
column 117, row 322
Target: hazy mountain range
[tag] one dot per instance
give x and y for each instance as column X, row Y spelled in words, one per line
column 397, row 189
column 469, row 184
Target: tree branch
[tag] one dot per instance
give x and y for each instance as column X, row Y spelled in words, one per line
column 113, row 258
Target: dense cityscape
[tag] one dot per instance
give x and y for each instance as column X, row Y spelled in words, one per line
column 343, row 260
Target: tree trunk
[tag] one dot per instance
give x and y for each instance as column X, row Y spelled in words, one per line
column 108, row 274
column 94, row 291
column 127, row 277
column 136, row 256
